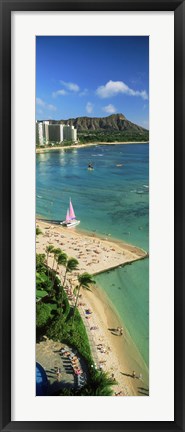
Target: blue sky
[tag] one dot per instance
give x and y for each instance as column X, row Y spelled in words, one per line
column 92, row 76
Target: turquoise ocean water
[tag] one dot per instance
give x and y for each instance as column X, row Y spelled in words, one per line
column 113, row 201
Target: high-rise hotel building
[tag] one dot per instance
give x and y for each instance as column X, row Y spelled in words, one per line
column 70, row 133
column 47, row 132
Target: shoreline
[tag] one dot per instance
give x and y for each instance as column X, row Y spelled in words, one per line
column 103, row 254
column 46, row 149
column 124, row 356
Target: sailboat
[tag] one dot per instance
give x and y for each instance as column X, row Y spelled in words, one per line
column 70, row 220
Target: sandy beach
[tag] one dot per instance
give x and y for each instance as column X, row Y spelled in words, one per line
column 117, row 355
column 46, row 149
column 121, row 356
column 94, row 254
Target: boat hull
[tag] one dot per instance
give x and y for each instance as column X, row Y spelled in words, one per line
column 71, row 224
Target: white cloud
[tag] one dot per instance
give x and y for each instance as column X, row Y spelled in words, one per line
column 113, row 88
column 43, row 104
column 70, row 86
column 61, row 92
column 84, row 92
column 89, row 107
column 40, row 102
column 110, row 109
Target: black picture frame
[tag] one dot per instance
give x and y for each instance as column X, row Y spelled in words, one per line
column 6, row 7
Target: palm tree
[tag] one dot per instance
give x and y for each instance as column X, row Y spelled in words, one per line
column 49, row 249
column 70, row 265
column 100, row 385
column 85, row 279
column 56, row 252
column 61, row 260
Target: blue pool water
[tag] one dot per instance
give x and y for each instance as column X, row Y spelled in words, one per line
column 41, row 381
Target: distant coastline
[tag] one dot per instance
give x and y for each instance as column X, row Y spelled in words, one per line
column 44, row 149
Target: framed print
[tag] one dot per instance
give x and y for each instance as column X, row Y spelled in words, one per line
column 92, row 249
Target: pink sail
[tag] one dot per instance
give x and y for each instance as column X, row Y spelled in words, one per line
column 67, row 216
column 71, row 211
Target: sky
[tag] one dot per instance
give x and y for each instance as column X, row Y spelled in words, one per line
column 92, row 76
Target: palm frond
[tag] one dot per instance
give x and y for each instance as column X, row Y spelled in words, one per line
column 38, row 231
column 49, row 248
column 61, row 258
column 72, row 264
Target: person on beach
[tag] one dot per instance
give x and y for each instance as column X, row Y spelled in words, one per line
column 120, row 330
column 113, row 377
column 58, row 373
column 133, row 374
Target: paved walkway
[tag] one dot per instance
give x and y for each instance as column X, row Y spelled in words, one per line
column 49, row 356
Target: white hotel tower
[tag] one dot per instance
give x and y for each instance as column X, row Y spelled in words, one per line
column 47, row 132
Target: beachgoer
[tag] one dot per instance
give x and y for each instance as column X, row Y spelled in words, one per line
column 113, row 377
column 140, row 376
column 133, row 374
column 58, row 373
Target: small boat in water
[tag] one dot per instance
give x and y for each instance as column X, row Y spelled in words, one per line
column 70, row 220
column 90, row 167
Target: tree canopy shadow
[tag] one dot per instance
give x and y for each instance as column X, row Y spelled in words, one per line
column 143, row 393
column 114, row 331
column 143, row 389
column 128, row 375
column 59, row 385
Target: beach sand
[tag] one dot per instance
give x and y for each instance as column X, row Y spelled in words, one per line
column 123, row 357
column 95, row 255
column 44, row 149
